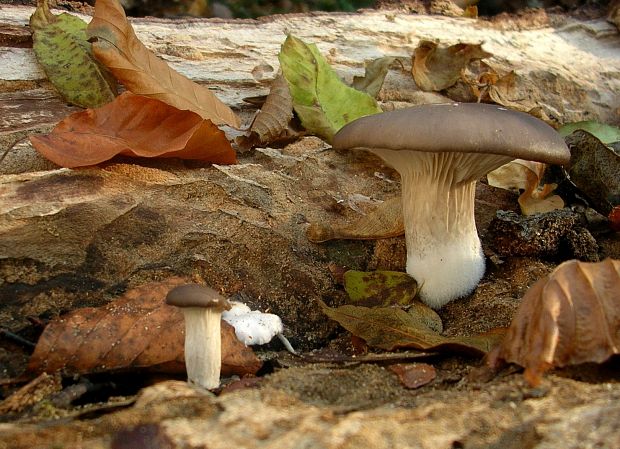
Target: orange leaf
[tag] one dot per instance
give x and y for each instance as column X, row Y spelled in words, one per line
column 569, row 317
column 136, row 126
column 116, row 46
column 137, row 330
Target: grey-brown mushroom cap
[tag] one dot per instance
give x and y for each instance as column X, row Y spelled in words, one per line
column 457, row 127
column 195, row 295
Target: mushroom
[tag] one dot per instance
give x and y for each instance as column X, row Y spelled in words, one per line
column 202, row 308
column 440, row 150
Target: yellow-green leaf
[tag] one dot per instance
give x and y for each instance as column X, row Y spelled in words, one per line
column 62, row 49
column 605, row 133
column 380, row 288
column 321, row 100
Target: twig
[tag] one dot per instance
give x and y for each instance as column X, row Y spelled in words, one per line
column 16, row 338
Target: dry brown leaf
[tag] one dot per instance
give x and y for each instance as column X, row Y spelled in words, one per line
column 614, row 219
column 414, row 375
column 526, row 175
column 272, row 122
column 138, row 330
column 136, row 126
column 569, row 317
column 390, row 328
column 383, row 222
column 471, row 12
column 436, row 68
column 116, row 46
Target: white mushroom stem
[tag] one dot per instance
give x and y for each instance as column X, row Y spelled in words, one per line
column 203, row 346
column 444, row 253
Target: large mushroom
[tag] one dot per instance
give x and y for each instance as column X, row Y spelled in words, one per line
column 202, row 308
column 440, row 150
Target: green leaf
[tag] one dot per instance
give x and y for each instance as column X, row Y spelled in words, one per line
column 390, row 328
column 376, row 71
column 380, row 288
column 321, row 100
column 605, row 133
column 61, row 47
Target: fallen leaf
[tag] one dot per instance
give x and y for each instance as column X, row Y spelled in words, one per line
column 390, row 328
column 322, row 101
column 527, row 175
column 375, row 73
column 508, row 90
column 116, row 45
column 383, row 222
column 414, row 375
column 614, row 219
column 61, row 47
column 607, row 134
column 570, row 316
column 613, row 14
column 137, row 330
column 272, row 121
column 135, row 126
column 471, row 12
column 436, row 68
column 380, row 288
column 595, row 170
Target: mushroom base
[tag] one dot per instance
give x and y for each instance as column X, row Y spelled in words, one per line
column 451, row 271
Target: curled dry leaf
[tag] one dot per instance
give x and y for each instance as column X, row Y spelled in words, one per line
column 526, row 175
column 133, row 125
column 436, row 68
column 569, row 317
column 272, row 121
column 116, row 45
column 138, row 330
column 383, row 222
column 375, row 73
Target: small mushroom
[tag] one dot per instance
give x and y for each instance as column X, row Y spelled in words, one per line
column 440, row 150
column 202, row 308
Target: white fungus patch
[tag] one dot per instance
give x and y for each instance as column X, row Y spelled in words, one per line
column 252, row 327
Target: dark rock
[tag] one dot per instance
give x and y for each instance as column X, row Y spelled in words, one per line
column 556, row 235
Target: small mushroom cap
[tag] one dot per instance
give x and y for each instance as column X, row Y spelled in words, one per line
column 457, row 127
column 194, row 295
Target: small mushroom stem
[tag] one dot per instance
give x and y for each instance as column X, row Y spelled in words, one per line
column 203, row 346
column 444, row 254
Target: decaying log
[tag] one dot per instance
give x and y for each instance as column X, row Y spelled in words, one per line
column 71, row 238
